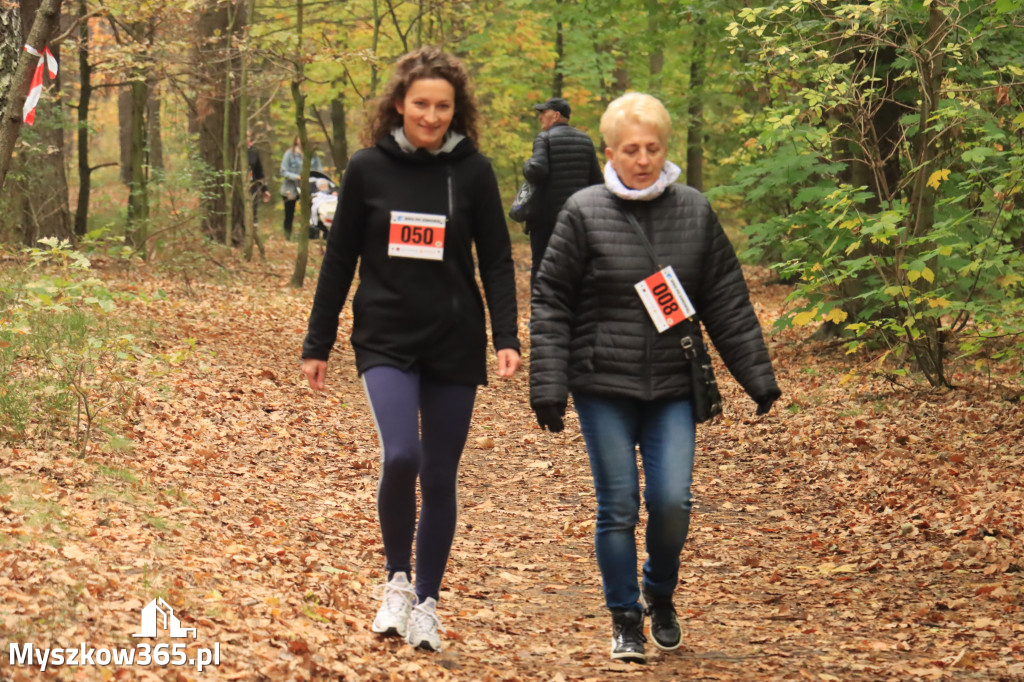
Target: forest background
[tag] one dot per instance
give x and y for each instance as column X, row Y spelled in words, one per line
column 869, row 154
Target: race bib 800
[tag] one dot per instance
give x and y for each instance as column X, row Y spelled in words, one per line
column 665, row 299
column 417, row 235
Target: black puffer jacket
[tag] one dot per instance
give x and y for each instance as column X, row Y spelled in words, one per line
column 418, row 312
column 589, row 330
column 563, row 162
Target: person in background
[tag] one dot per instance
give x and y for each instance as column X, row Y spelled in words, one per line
column 563, row 162
column 591, row 335
column 258, row 189
column 412, row 209
column 291, row 175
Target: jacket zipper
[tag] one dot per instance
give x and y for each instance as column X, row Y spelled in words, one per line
column 649, row 335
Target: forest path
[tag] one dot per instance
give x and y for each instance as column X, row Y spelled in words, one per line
column 854, row 533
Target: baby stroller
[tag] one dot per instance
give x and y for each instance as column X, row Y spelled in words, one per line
column 325, row 201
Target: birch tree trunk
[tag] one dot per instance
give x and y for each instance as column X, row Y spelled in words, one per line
column 44, row 26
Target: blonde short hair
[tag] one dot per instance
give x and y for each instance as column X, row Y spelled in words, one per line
column 638, row 108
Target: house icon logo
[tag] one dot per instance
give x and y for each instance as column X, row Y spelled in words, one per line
column 151, row 613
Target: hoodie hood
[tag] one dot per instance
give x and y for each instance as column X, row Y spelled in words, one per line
column 456, row 146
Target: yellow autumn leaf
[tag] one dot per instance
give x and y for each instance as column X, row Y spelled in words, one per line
column 836, row 315
column 913, row 275
column 945, row 250
column 937, row 177
column 805, row 317
column 937, row 302
column 928, row 275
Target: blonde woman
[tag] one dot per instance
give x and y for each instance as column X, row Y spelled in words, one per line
column 592, row 335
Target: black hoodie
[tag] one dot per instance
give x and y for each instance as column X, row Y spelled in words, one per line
column 410, row 311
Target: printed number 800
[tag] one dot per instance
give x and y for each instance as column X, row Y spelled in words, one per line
column 665, row 299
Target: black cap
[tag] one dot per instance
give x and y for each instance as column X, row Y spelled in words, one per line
column 558, row 104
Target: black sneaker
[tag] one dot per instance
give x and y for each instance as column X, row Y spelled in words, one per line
column 664, row 626
column 628, row 636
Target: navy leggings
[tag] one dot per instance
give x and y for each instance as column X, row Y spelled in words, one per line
column 422, row 424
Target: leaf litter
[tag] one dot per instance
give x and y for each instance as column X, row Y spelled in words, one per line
column 857, row 532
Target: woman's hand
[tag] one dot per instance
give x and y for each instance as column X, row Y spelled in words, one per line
column 316, row 372
column 508, row 362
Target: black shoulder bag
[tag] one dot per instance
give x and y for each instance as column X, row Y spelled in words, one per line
column 524, row 206
column 705, row 397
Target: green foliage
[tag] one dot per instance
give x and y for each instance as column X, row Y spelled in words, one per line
column 906, row 230
column 65, row 354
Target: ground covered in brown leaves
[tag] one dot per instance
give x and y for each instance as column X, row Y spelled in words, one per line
column 861, row 531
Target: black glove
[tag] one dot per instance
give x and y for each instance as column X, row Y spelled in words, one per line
column 550, row 417
column 764, row 403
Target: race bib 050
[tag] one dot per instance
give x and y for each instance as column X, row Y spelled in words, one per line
column 417, row 235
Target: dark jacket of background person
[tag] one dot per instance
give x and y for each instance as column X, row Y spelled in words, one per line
column 417, row 312
column 563, row 162
column 257, row 179
column 589, row 329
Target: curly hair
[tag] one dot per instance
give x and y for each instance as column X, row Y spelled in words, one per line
column 426, row 62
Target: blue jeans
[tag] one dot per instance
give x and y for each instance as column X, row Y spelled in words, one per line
column 665, row 432
column 422, row 424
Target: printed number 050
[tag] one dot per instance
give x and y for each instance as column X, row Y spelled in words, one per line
column 417, row 234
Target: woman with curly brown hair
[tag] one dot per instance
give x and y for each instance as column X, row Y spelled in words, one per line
column 411, row 209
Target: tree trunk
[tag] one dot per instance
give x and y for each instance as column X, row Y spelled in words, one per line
column 251, row 235
column 124, row 121
column 656, row 56
column 558, row 78
column 138, row 189
column 45, row 24
column 695, row 108
column 40, row 196
column 84, row 96
column 339, row 128
column 10, row 49
column 929, row 348
column 299, row 98
column 221, row 210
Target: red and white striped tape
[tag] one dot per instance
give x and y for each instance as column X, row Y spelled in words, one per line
column 36, row 89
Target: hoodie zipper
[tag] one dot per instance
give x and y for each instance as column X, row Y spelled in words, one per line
column 451, row 216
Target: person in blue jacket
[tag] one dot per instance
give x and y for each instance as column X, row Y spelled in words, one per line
column 411, row 209
column 291, row 175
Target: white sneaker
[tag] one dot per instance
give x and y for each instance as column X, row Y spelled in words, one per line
column 397, row 596
column 424, row 625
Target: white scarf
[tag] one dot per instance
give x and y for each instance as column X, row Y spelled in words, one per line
column 451, row 140
column 669, row 174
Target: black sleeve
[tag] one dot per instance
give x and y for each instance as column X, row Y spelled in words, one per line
column 729, row 317
column 256, row 168
column 552, row 303
column 344, row 245
column 538, row 167
column 497, row 270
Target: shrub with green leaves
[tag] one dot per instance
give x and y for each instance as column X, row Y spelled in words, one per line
column 65, row 355
column 886, row 176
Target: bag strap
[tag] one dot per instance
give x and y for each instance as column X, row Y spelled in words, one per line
column 687, row 343
column 643, row 237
